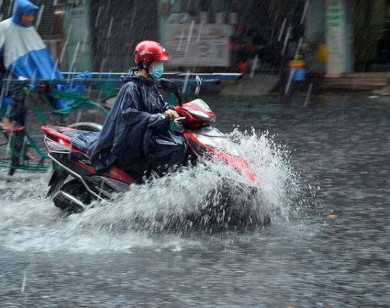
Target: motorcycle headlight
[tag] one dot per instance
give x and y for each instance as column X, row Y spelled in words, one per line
column 219, row 143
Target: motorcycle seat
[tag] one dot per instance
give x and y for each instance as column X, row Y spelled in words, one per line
column 84, row 141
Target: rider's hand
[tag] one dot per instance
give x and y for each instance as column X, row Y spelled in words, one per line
column 172, row 114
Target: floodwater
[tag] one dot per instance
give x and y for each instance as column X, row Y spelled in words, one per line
column 325, row 172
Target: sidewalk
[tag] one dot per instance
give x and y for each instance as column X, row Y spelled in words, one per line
column 258, row 85
column 357, row 82
column 264, row 84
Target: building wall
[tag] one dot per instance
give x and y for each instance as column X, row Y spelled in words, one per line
column 116, row 27
column 315, row 22
column 370, row 19
column 349, row 37
column 332, row 20
column 258, row 23
column 78, row 55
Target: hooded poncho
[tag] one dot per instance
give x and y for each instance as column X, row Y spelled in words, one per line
column 22, row 49
column 138, row 105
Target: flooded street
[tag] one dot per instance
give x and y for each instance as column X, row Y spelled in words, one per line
column 326, row 176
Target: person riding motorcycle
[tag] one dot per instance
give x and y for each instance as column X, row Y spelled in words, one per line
column 136, row 135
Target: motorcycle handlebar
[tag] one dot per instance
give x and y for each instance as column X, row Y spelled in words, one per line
column 156, row 119
column 179, row 119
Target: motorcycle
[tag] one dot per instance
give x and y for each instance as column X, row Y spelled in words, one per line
column 75, row 184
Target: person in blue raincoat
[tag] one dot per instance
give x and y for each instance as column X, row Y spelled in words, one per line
column 136, row 135
column 24, row 55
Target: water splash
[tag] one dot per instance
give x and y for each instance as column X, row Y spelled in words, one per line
column 178, row 202
column 281, row 185
column 182, row 201
column 30, row 222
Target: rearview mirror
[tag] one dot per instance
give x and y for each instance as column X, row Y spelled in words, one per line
column 198, row 85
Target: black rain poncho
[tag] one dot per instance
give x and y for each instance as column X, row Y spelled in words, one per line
column 123, row 141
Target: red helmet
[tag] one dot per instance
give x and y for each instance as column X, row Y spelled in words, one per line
column 150, row 51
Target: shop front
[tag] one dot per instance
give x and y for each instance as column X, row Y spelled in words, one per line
column 356, row 32
column 221, row 35
column 116, row 27
column 372, row 35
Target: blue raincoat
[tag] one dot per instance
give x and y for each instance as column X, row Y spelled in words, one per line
column 23, row 51
column 25, row 55
column 136, row 135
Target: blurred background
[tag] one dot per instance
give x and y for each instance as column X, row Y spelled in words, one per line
column 323, row 156
column 224, row 33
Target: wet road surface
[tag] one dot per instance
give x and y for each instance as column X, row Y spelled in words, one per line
column 330, row 248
